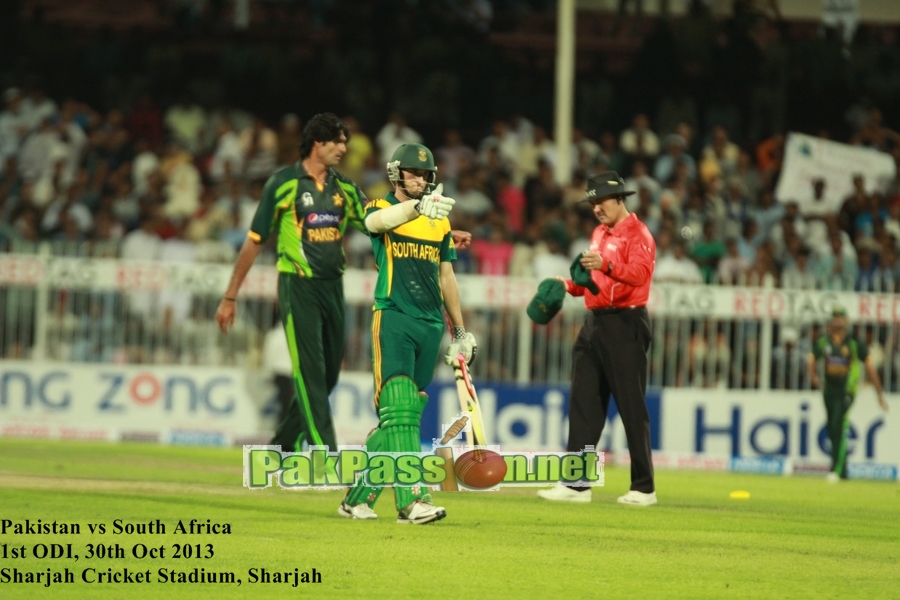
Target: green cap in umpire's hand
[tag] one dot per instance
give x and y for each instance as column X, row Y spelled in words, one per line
column 547, row 301
column 581, row 276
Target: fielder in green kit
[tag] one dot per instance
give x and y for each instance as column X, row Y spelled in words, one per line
column 842, row 354
column 414, row 252
column 308, row 205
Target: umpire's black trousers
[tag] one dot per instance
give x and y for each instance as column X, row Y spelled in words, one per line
column 610, row 356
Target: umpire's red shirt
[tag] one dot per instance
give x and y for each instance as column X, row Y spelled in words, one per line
column 632, row 251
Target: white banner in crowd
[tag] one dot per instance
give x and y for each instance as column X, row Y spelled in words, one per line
column 807, row 158
column 97, row 274
column 698, row 301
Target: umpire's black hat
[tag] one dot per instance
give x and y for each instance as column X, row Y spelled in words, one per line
column 605, row 185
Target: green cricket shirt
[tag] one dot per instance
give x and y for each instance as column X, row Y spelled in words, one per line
column 842, row 361
column 408, row 260
column 310, row 220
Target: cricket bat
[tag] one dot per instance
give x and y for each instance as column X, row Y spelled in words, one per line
column 468, row 402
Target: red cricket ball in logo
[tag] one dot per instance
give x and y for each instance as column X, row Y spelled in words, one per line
column 480, row 469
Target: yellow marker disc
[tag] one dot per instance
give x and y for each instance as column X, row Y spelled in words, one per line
column 739, row 495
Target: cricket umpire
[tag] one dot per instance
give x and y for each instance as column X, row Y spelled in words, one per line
column 610, row 354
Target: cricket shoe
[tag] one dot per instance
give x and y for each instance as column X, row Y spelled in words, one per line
column 360, row 511
column 635, row 498
column 419, row 513
column 562, row 493
column 832, row 477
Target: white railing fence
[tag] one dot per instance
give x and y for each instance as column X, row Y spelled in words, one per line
column 81, row 304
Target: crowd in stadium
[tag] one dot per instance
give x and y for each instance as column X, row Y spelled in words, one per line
column 153, row 178
column 156, row 141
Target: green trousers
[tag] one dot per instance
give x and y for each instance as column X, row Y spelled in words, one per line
column 312, row 312
column 403, row 349
column 404, row 346
column 837, row 406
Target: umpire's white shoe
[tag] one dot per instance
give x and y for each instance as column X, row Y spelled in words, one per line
column 360, row 511
column 419, row 513
column 635, row 498
column 562, row 493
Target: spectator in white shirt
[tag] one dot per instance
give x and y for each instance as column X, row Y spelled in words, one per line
column 677, row 267
column 175, row 304
column 553, row 262
column 394, row 134
column 183, row 184
column 36, row 107
column 732, row 266
column 800, row 272
column 639, row 141
column 512, row 150
column 837, row 269
column 143, row 244
column 145, row 162
column 69, row 203
column 185, row 120
column 228, row 159
column 260, row 145
column 13, row 126
column 37, row 157
column 815, row 209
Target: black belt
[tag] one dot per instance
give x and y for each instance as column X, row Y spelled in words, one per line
column 608, row 310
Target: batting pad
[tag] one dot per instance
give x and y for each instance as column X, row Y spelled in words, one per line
column 399, row 417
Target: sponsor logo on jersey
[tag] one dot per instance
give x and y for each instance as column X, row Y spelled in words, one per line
column 323, row 219
column 306, row 199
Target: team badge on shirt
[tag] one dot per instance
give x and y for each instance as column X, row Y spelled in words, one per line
column 338, row 200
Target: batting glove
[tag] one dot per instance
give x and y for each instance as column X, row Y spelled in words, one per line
column 463, row 343
column 434, row 205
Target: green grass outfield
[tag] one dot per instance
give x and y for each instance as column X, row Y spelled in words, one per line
column 794, row 538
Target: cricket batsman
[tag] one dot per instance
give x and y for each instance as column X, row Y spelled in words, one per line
column 414, row 251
